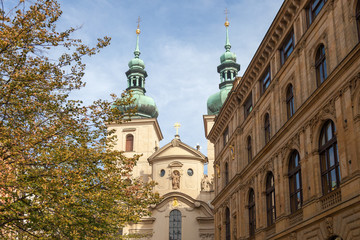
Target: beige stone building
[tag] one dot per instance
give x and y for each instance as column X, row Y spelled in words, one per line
column 185, row 211
column 287, row 139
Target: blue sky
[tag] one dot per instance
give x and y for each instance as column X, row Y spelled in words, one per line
column 180, row 42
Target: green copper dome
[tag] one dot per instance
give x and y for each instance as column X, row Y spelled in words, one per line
column 215, row 101
column 228, row 70
column 146, row 107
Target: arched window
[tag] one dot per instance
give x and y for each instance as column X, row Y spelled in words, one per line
column 175, row 225
column 358, row 17
column 329, row 158
column 226, row 173
column 227, row 224
column 129, row 143
column 290, row 101
column 252, row 213
column 249, row 149
column 320, row 65
column 270, row 199
column 267, row 128
column 295, row 182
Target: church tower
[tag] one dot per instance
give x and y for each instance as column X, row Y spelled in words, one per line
column 228, row 70
column 184, row 211
column 142, row 134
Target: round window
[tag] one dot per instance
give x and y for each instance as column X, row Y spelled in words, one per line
column 190, row 172
column 162, row 173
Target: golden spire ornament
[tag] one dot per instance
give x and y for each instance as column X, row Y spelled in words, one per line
column 226, row 18
column 138, row 26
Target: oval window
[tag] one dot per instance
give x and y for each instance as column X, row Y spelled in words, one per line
column 162, row 173
column 190, row 172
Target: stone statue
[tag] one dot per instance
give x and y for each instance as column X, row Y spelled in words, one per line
column 205, row 183
column 175, row 179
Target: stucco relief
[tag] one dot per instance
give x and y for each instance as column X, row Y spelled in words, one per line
column 292, row 236
column 207, row 236
column 329, row 225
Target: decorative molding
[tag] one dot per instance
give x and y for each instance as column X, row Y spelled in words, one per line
column 206, row 236
column 293, row 236
column 329, row 225
column 175, row 142
column 331, row 199
column 129, row 130
column 175, row 164
column 328, row 109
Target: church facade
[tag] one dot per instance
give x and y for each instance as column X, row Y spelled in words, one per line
column 185, row 211
column 287, row 138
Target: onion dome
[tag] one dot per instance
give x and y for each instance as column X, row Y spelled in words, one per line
column 146, row 107
column 228, row 70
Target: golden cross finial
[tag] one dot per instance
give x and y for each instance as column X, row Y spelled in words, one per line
column 226, row 13
column 138, row 26
column 226, row 17
column 138, row 22
column 177, row 126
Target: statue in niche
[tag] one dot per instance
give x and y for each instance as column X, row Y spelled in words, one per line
column 175, row 179
column 205, row 183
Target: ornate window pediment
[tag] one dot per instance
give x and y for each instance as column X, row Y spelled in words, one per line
column 175, row 164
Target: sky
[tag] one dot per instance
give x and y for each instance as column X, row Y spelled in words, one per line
column 180, row 42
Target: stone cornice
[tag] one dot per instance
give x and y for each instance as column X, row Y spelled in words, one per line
column 141, row 121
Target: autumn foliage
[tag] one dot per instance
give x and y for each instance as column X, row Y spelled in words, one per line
column 59, row 175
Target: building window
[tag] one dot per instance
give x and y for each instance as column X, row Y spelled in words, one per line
column 313, row 9
column 287, row 47
column 249, row 149
column 227, row 224
column 252, row 213
column 267, row 128
column 358, row 17
column 190, row 172
column 295, row 182
column 248, row 106
column 226, row 136
column 175, row 225
column 290, row 101
column 226, row 173
column 270, row 199
column 129, row 143
column 320, row 65
column 265, row 80
column 162, row 173
column 329, row 158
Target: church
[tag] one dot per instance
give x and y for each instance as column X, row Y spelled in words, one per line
column 185, row 211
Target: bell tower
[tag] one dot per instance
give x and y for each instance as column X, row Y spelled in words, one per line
column 142, row 134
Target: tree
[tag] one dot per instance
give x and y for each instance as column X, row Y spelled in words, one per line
column 60, row 177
